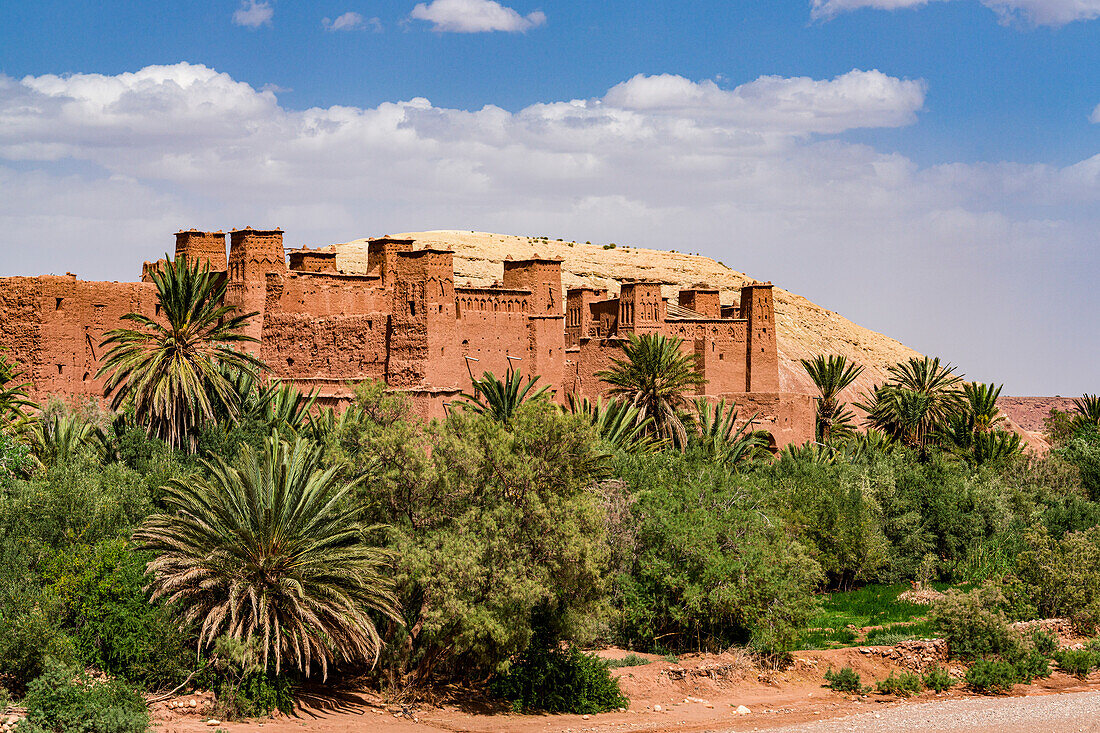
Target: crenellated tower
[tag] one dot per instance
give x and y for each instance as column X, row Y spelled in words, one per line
column 206, row 248
column 253, row 255
column 758, row 308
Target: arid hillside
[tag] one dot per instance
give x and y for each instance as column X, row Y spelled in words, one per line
column 805, row 329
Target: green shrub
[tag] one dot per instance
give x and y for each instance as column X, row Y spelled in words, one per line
column 973, row 623
column 489, row 523
column 553, row 680
column 990, row 676
column 253, row 696
column 114, row 626
column 1077, row 662
column 707, row 569
column 1028, row 662
column 1061, row 575
column 65, row 699
column 30, row 633
column 938, row 679
column 902, row 685
column 1044, row 642
column 1083, row 451
column 846, row 680
column 630, row 660
column 242, row 686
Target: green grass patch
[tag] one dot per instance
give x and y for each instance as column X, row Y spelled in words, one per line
column 630, row 660
column 871, row 605
column 893, row 633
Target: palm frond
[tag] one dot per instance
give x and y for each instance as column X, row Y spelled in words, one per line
column 268, row 550
column 654, row 375
column 619, row 423
column 499, row 398
column 175, row 371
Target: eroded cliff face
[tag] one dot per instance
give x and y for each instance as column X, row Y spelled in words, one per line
column 805, row 329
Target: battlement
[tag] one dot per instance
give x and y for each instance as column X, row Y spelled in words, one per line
column 305, row 259
column 206, row 248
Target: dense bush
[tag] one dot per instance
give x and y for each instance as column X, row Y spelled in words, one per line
column 56, row 598
column 833, row 510
column 65, row 699
column 938, row 679
column 493, row 522
column 1077, row 662
column 973, row 623
column 707, row 567
column 901, row 685
column 1060, row 576
column 1083, row 451
column 991, row 675
column 548, row 678
column 243, row 687
column 114, row 626
column 556, row 680
column 846, row 680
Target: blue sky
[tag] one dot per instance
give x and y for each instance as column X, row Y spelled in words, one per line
column 928, row 169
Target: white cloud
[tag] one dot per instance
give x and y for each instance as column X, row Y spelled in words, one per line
column 799, row 104
column 475, row 16
column 753, row 175
column 352, row 21
column 254, row 13
column 1037, row 12
column 1095, row 116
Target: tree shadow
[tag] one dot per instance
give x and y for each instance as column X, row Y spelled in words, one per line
column 318, row 700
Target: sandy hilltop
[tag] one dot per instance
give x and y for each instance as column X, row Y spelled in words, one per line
column 805, row 328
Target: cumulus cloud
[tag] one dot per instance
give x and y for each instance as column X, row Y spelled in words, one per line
column 855, row 99
column 1037, row 12
column 351, row 21
column 475, row 16
column 758, row 175
column 254, row 13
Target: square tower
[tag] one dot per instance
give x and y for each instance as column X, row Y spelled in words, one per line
column 253, row 254
column 641, row 308
column 540, row 275
column 702, row 299
column 758, row 308
column 206, row 248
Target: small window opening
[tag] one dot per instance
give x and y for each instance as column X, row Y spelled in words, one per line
column 59, row 302
column 60, row 368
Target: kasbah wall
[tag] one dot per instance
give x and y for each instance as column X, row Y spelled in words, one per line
column 406, row 322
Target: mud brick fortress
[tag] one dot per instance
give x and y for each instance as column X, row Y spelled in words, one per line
column 405, row 321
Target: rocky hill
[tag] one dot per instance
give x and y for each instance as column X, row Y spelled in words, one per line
column 805, row 329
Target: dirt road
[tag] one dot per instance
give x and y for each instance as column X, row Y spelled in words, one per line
column 1079, row 711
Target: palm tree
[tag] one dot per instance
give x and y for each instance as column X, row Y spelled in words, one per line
column 980, row 403
column 917, row 401
column 831, row 376
column 270, row 551
column 59, row 437
column 616, row 422
column 173, row 368
column 501, row 398
column 1087, row 408
column 654, row 377
column 714, row 431
column 13, row 393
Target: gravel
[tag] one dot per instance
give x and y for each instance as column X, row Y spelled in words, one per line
column 1079, row 711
